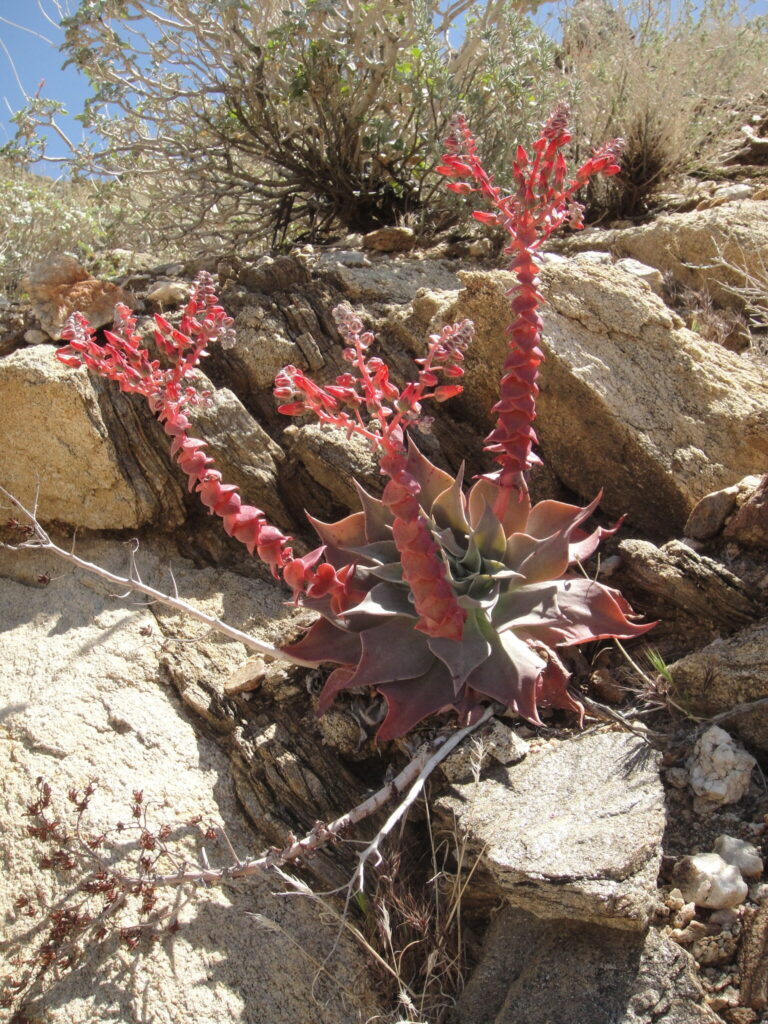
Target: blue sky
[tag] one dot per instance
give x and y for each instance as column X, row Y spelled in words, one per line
column 29, row 59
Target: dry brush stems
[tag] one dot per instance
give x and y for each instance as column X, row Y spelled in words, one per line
column 39, row 539
column 286, row 113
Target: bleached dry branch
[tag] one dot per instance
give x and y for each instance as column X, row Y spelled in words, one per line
column 40, row 540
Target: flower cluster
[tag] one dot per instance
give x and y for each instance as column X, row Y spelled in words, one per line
column 542, row 202
column 367, row 403
column 123, row 359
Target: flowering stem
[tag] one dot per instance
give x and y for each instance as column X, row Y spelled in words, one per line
column 540, row 203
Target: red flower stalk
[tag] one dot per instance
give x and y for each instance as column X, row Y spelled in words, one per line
column 123, row 360
column 541, row 203
column 367, row 403
column 423, row 568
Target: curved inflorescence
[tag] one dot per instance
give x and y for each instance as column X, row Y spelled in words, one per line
column 123, row 359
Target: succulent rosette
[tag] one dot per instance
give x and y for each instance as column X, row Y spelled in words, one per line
column 518, row 581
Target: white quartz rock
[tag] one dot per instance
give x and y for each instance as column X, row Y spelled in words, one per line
column 720, row 768
column 706, row 880
column 741, row 854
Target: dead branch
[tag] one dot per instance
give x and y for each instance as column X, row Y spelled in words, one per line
column 411, row 779
column 41, row 541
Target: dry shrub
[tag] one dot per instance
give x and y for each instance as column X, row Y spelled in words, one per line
column 238, row 123
column 663, row 75
column 40, row 216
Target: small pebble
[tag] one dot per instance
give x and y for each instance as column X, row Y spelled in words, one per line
column 706, row 880
column 720, row 768
column 741, row 854
column 678, row 777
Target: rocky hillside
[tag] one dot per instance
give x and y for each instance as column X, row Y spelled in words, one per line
column 609, row 874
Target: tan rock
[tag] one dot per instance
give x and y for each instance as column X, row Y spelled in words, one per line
column 390, row 239
column 565, row 972
column 85, row 697
column 59, row 449
column 631, row 401
column 169, row 293
column 573, row 831
column 99, row 459
column 708, row 881
column 710, row 513
column 725, row 674
column 57, row 271
column 750, row 524
column 59, row 286
column 334, row 461
column 697, row 247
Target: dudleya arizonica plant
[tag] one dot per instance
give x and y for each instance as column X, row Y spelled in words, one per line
column 437, row 597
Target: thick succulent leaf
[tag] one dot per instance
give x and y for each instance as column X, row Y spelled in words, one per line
column 448, row 541
column 550, row 517
column 525, row 606
column 385, row 599
column 553, row 689
column 378, row 518
column 431, row 480
column 390, row 652
column 584, row 544
column 322, row 605
column 325, row 641
column 489, row 536
column 449, row 508
column 380, row 552
column 412, row 700
column 463, row 656
column 538, row 560
column 584, row 611
column 499, row 571
column 510, row 675
column 517, row 509
column 392, row 573
column 472, row 562
column 337, row 681
column 340, row 537
column 548, row 557
column 469, row 706
column 482, row 592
